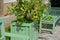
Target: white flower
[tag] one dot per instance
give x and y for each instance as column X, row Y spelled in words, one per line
column 45, row 1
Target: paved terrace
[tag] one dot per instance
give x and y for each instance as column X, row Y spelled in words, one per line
column 48, row 36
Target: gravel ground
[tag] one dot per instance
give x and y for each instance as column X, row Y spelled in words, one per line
column 48, row 36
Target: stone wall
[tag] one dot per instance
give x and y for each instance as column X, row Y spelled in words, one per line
column 7, row 5
column 8, row 18
column 1, row 7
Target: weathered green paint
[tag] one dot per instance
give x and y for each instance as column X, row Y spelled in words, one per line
column 53, row 22
column 25, row 29
column 53, row 11
column 2, row 28
column 26, row 32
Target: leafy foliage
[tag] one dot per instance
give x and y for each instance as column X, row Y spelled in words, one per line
column 28, row 11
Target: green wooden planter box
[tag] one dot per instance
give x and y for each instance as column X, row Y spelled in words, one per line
column 26, row 29
column 55, row 11
column 48, row 22
column 2, row 36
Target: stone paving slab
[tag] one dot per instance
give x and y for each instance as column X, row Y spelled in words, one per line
column 48, row 36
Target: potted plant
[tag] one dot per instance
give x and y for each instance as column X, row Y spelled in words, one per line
column 27, row 18
column 26, row 11
column 28, row 14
